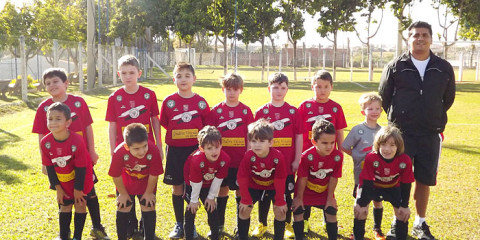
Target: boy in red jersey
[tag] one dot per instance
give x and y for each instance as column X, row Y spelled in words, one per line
column 262, row 174
column 183, row 114
column 231, row 117
column 69, row 169
column 287, row 137
column 204, row 173
column 317, row 177
column 56, row 83
column 135, row 167
column 132, row 103
column 387, row 175
column 321, row 107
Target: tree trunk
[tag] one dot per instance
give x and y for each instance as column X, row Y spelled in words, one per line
column 215, row 50
column 225, row 55
column 263, row 57
column 334, row 64
column 294, row 60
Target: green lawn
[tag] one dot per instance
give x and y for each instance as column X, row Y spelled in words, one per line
column 29, row 210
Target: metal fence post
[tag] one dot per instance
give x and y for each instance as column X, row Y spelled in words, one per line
column 478, row 67
column 80, row 66
column 460, row 68
column 55, row 53
column 100, row 65
column 23, row 67
column 114, row 65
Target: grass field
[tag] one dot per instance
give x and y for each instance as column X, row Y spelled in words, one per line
column 29, row 210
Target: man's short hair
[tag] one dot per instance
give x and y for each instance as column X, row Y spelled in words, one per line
column 384, row 134
column 261, row 129
column 320, row 127
column 277, row 78
column 61, row 107
column 135, row 133
column 54, row 72
column 232, row 80
column 323, row 75
column 128, row 60
column 368, row 98
column 183, row 65
column 209, row 135
column 419, row 24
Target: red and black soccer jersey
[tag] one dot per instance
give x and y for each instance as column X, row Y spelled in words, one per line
column 124, row 108
column 262, row 174
column 318, row 170
column 183, row 118
column 65, row 156
column 287, row 123
column 80, row 115
column 199, row 169
column 135, row 171
column 232, row 122
column 387, row 174
column 311, row 110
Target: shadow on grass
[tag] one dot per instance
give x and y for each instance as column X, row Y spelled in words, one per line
column 7, row 137
column 473, row 150
column 9, row 165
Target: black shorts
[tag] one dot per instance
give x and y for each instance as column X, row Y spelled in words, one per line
column 91, row 194
column 425, row 154
column 290, row 184
column 261, row 195
column 176, row 158
column 188, row 194
column 132, row 199
column 392, row 195
column 231, row 179
column 329, row 210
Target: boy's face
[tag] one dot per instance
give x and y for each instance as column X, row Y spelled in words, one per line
column 57, row 122
column 231, row 94
column 261, row 147
column 278, row 91
column 388, row 149
column 55, row 86
column 138, row 149
column 322, row 89
column 372, row 111
column 212, row 151
column 325, row 144
column 184, row 79
column 129, row 75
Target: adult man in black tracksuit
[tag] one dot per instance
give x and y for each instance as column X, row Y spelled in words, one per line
column 417, row 90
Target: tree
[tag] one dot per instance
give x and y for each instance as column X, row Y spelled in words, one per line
column 222, row 15
column 451, row 8
column 398, row 8
column 292, row 24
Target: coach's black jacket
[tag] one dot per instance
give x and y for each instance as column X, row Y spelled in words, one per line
column 415, row 106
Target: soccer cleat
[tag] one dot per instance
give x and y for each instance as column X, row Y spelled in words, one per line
column 289, row 234
column 306, row 227
column 422, row 232
column 177, row 231
column 391, row 235
column 377, row 233
column 259, row 231
column 220, row 231
column 99, row 234
column 195, row 233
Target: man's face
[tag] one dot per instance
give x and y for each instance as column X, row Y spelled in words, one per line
column 419, row 40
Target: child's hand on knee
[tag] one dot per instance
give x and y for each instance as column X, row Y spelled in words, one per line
column 193, row 207
column 210, row 205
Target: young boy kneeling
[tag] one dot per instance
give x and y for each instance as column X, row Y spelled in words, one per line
column 135, row 166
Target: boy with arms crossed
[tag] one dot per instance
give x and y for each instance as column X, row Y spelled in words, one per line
column 183, row 114
column 317, row 178
column 136, row 164
column 287, row 139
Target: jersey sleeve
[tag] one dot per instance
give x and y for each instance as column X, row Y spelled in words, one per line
column 341, row 123
column 111, row 116
column 298, row 124
column 164, row 115
column 156, row 167
column 303, row 166
column 223, row 171
column 337, row 170
column 205, row 113
column 154, row 108
column 243, row 177
column 116, row 165
column 407, row 173
column 367, row 171
column 350, row 141
column 212, row 118
column 81, row 156
column 195, row 173
column 40, row 121
column 46, row 160
column 249, row 117
column 86, row 116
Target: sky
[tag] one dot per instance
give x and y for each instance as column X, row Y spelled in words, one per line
column 386, row 35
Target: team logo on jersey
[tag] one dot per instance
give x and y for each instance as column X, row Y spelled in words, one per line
column 320, row 164
column 245, row 111
column 320, row 109
column 231, row 114
column 186, row 117
column 61, row 161
column 119, row 98
column 337, row 158
column 222, row 163
column 308, row 105
column 335, row 109
column 360, row 131
column 278, row 125
column 74, row 148
column 321, row 173
column 185, row 108
column 231, row 124
column 202, row 105
column 277, row 116
column 48, row 145
column 149, row 157
column 386, row 171
column 171, row 103
column 208, row 176
column 202, row 164
column 376, row 164
column 253, row 159
column 134, row 113
column 292, row 111
column 265, row 111
column 310, row 157
column 219, row 110
column 275, row 160
column 77, row 104
column 402, row 165
column 262, row 165
column 45, row 108
column 264, row 173
column 126, row 157
column 146, row 96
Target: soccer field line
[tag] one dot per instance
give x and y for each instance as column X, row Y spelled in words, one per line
column 360, row 85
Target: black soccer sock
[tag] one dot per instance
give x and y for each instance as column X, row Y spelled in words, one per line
column 243, row 226
column 79, row 222
column 213, row 223
column 401, row 230
column 94, row 211
column 132, row 218
column 358, row 229
column 221, row 207
column 278, row 229
column 122, row 224
column 306, row 214
column 298, row 230
column 263, row 208
column 238, row 199
column 288, row 215
column 332, row 230
column 188, row 225
column 178, row 206
column 149, row 222
column 377, row 218
column 64, row 220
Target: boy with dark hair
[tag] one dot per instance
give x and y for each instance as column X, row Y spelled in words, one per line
column 183, row 114
column 56, row 83
column 287, row 139
column 262, row 174
column 204, row 172
column 135, row 167
column 317, row 178
column 231, row 117
column 132, row 103
column 69, row 169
